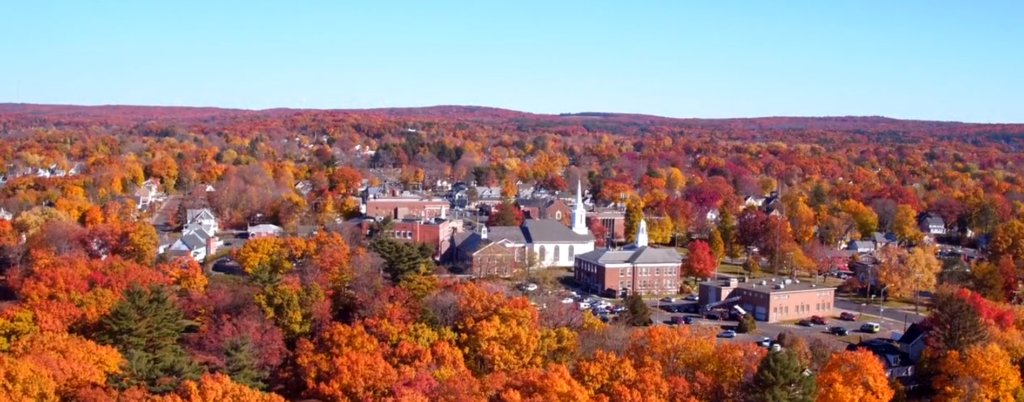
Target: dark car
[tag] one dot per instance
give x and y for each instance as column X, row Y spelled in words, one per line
column 846, row 316
column 711, row 316
column 805, row 323
column 839, row 331
column 687, row 320
column 819, row 320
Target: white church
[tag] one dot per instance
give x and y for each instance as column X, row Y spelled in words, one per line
column 553, row 244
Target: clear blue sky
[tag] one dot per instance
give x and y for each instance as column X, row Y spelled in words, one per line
column 943, row 60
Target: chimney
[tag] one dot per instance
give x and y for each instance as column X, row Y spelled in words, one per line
column 211, row 246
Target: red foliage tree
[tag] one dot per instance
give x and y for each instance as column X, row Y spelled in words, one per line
column 600, row 232
column 700, row 262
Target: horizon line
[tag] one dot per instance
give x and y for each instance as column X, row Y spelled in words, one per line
column 561, row 114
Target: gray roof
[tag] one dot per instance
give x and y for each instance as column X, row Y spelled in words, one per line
column 859, row 244
column 551, row 231
column 532, row 231
column 934, row 221
column 641, row 255
column 193, row 241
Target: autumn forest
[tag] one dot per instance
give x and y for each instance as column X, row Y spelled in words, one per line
column 97, row 305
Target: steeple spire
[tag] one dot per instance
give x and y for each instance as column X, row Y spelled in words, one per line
column 579, row 214
column 641, row 234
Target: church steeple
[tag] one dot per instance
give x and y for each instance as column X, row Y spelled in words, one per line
column 579, row 214
column 641, row 234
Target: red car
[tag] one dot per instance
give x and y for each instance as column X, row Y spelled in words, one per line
column 847, row 317
column 819, row 320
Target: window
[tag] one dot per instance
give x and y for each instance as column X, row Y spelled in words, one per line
column 558, row 215
column 657, row 271
column 543, row 253
column 572, row 253
column 557, row 252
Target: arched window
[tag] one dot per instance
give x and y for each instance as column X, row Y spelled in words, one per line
column 558, row 215
column 543, row 254
column 572, row 253
column 557, row 255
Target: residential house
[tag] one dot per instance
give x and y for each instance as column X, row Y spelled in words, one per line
column 883, row 239
column 488, row 196
column 201, row 219
column 712, row 215
column 913, row 342
column 265, row 230
column 897, row 364
column 194, row 244
column 5, row 215
column 148, row 192
column 525, row 190
column 753, row 201
column 932, row 224
column 862, row 246
column 304, row 187
column 636, row 269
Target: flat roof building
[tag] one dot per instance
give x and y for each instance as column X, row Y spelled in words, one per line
column 770, row 300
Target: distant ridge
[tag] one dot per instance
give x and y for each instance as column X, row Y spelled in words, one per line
column 585, row 121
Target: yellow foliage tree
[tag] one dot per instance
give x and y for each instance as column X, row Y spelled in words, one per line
column 854, row 377
column 982, row 373
column 217, row 388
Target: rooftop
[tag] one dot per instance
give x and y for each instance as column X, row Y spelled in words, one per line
column 639, row 255
column 769, row 286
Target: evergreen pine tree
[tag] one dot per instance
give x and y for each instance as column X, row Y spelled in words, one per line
column 638, row 313
column 242, row 365
column 145, row 328
column 781, row 378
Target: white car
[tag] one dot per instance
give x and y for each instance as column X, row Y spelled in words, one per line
column 584, row 305
column 567, row 300
column 529, row 287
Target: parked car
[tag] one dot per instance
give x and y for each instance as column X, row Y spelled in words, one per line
column 819, row 320
column 847, row 316
column 529, row 287
column 840, row 331
column 668, row 300
column 765, row 342
column 805, row 323
column 727, row 334
column 711, row 316
column 568, row 300
column 584, row 305
column 678, row 320
column 871, row 327
column 692, row 298
column 687, row 320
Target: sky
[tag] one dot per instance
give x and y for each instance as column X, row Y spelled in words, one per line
column 930, row 60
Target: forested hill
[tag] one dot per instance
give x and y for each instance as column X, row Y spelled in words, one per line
column 22, row 115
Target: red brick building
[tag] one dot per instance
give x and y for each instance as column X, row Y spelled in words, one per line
column 635, row 269
column 544, row 208
column 436, row 232
column 613, row 220
column 406, row 207
column 770, row 300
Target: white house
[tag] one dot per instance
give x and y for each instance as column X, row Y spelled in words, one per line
column 752, row 201
column 265, row 230
column 6, row 215
column 201, row 219
column 148, row 193
column 862, row 246
column 933, row 225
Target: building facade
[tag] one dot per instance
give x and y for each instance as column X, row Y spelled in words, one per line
column 772, row 301
column 635, row 269
column 406, row 207
column 435, row 232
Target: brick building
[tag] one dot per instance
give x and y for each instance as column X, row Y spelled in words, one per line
column 402, row 207
column 544, row 208
column 635, row 269
column 613, row 220
column 436, row 232
column 769, row 300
